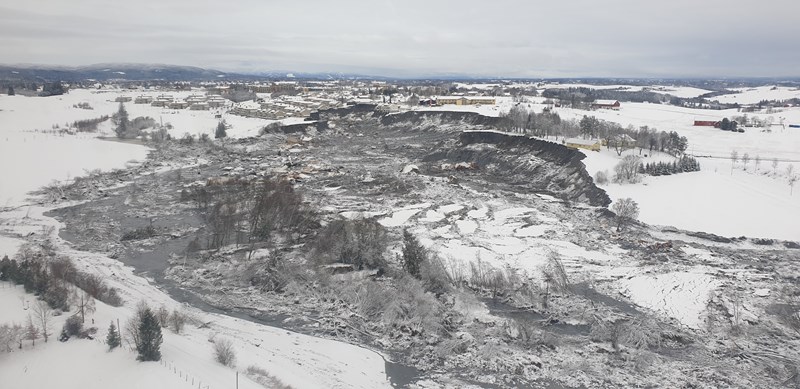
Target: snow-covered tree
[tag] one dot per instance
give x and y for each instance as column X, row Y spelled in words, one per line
column 122, row 121
column 150, row 338
column 745, row 160
column 734, row 159
column 113, row 339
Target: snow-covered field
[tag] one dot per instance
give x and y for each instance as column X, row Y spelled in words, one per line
column 745, row 203
column 718, row 199
column 27, row 138
column 754, row 95
column 30, row 159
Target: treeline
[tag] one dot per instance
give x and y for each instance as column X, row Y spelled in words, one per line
column 682, row 165
column 548, row 123
column 88, row 125
column 583, row 97
column 52, row 278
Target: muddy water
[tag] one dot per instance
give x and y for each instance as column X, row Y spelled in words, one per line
column 152, row 261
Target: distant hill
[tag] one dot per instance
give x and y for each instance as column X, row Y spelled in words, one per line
column 105, row 72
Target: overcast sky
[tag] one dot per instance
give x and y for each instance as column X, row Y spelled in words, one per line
column 556, row 38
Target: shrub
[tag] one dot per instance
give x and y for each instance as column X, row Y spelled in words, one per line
column 601, row 178
column 361, row 243
column 187, row 139
column 139, row 233
column 224, row 352
column 73, row 326
column 177, row 321
column 266, row 380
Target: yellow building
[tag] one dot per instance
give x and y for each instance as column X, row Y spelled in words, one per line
column 586, row 144
column 461, row 100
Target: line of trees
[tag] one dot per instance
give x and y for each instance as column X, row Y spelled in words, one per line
column 548, row 123
column 54, row 280
column 682, row 165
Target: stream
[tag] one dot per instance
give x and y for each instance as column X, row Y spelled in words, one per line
column 152, row 263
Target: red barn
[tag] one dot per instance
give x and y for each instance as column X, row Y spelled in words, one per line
column 706, row 123
column 606, row 104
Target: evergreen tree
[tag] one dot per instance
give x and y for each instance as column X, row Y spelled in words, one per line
column 149, row 345
column 122, row 121
column 11, row 91
column 413, row 254
column 113, row 338
column 221, row 131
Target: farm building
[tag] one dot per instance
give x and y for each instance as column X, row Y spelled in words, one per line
column 143, row 100
column 461, row 100
column 606, row 104
column 123, row 99
column 586, row 144
column 178, row 105
column 706, row 123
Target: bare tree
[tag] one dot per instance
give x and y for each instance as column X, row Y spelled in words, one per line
column 177, row 319
column 163, row 316
column 43, row 315
column 745, row 160
column 734, row 159
column 31, row 331
column 627, row 211
column 84, row 302
column 757, row 161
column 792, row 180
column 775, row 166
column 627, row 170
column 555, row 276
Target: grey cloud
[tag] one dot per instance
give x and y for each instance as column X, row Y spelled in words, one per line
column 512, row 38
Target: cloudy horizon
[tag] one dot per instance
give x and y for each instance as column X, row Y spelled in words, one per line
column 578, row 38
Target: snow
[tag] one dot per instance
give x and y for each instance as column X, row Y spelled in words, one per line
column 401, row 216
column 31, row 159
column 296, row 359
column 716, row 199
column 681, row 295
column 34, row 159
column 9, row 245
column 754, row 95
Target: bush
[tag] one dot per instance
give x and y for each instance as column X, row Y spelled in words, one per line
column 266, row 380
column 177, row 321
column 601, row 178
column 187, row 139
column 139, row 233
column 361, row 243
column 224, row 352
column 73, row 326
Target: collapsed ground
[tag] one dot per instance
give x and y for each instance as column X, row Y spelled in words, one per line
column 527, row 283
